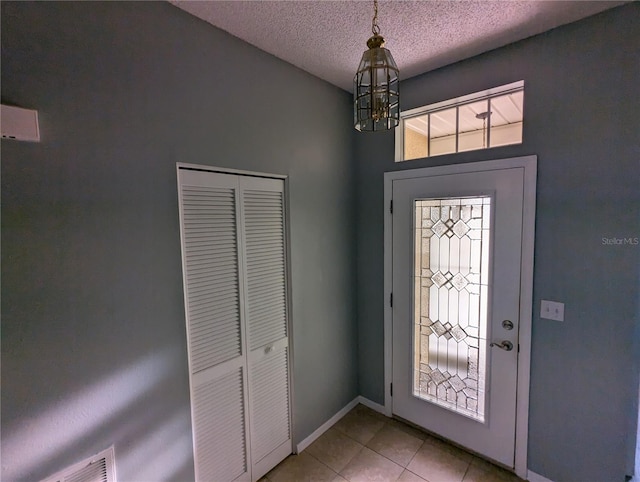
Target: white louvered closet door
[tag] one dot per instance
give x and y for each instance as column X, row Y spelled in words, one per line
column 233, row 241
column 211, row 241
column 266, row 314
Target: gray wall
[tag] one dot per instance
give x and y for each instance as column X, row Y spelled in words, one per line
column 93, row 336
column 581, row 120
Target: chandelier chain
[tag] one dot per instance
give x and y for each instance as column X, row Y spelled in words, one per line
column 374, row 23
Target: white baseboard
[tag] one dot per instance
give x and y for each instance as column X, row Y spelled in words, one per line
column 372, row 405
column 327, row 425
column 533, row 477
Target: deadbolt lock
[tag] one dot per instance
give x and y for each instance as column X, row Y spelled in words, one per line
column 507, row 325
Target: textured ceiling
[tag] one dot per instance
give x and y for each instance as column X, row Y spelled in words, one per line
column 327, row 38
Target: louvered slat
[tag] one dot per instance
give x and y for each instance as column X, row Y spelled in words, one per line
column 271, row 327
column 94, row 472
column 215, row 292
column 265, row 265
column 270, row 404
column 219, row 426
column 271, row 306
column 212, row 293
column 211, row 274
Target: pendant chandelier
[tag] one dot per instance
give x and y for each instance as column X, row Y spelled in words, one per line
column 376, row 96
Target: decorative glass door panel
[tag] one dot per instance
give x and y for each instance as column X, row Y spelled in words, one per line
column 450, row 284
column 455, row 247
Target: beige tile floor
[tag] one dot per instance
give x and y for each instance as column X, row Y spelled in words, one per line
column 366, row 446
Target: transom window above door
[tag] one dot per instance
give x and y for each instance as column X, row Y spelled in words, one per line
column 481, row 120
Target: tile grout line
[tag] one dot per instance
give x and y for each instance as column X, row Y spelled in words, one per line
column 414, row 455
column 316, row 458
column 385, row 422
column 466, row 472
column 419, row 476
column 388, row 422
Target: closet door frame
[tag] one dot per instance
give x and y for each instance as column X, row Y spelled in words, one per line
column 288, row 294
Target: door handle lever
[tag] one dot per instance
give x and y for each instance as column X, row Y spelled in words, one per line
column 505, row 345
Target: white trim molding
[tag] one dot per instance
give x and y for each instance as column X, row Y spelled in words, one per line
column 225, row 170
column 372, row 405
column 446, row 104
column 317, row 433
column 533, row 477
column 333, row 420
column 529, row 165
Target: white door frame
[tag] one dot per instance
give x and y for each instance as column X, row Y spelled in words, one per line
column 529, row 164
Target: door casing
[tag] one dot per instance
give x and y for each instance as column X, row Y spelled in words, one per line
column 529, row 164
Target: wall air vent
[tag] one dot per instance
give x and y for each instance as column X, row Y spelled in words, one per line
column 19, row 124
column 99, row 468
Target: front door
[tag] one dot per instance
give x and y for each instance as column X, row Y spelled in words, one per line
column 456, row 261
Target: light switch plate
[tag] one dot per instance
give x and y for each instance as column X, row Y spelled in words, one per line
column 552, row 310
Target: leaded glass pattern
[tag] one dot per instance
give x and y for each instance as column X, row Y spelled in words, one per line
column 451, row 282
